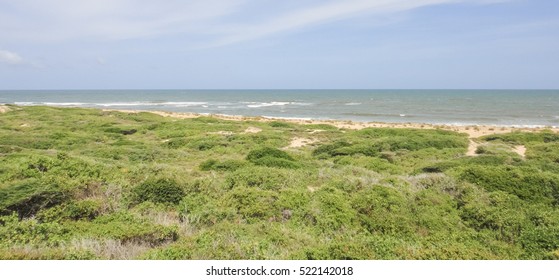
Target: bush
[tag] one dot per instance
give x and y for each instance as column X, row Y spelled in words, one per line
column 500, row 213
column 383, row 210
column 29, row 198
column 528, row 184
column 254, row 204
column 276, row 162
column 159, row 191
column 540, row 242
column 226, row 165
column 331, row 210
column 78, row 210
column 255, row 155
column 330, row 150
column 176, row 143
column 259, row 177
column 272, row 157
column 30, row 232
column 279, row 124
column 524, row 137
column 126, row 228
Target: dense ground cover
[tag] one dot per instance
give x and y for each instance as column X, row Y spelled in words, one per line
column 91, row 184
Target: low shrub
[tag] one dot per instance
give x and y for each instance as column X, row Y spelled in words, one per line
column 74, row 210
column 254, row 204
column 540, row 242
column 226, row 165
column 259, row 177
column 276, row 162
column 272, row 157
column 331, row 210
column 330, row 150
column 159, row 191
column 26, row 199
column 383, row 210
column 257, row 154
column 279, row 124
column 14, row 231
column 126, row 228
column 526, row 183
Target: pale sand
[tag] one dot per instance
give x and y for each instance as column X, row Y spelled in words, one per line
column 472, row 147
column 4, row 109
column 252, row 129
column 520, row 149
column 473, row 131
column 298, row 142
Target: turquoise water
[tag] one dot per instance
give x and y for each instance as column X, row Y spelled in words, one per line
column 526, row 108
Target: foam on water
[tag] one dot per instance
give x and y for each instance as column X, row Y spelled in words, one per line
column 526, row 108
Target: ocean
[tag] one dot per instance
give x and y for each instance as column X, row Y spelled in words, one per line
column 520, row 108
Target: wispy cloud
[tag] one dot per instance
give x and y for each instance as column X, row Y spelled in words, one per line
column 10, row 58
column 316, row 15
column 64, row 20
column 206, row 23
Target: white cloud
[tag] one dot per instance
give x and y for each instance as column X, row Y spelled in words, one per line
column 207, row 23
column 10, row 58
column 319, row 14
column 66, row 20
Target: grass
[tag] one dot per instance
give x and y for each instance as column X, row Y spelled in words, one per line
column 90, row 184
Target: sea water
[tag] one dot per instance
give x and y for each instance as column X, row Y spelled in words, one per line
column 522, row 108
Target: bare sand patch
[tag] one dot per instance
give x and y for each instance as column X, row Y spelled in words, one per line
column 226, row 133
column 4, row 109
column 298, row 142
column 472, row 148
column 252, row 129
column 520, row 150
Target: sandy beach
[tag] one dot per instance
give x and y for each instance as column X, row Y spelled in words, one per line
column 473, row 131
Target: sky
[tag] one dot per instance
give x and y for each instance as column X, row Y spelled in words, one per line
column 271, row 44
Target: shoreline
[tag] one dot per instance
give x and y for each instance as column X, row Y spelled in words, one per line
column 473, row 131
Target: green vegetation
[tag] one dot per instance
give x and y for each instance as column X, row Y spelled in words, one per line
column 92, row 184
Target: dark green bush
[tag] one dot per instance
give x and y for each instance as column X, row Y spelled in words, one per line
column 226, row 165
column 29, row 198
column 540, row 242
column 254, row 204
column 526, row 183
column 78, row 210
column 272, row 157
column 14, row 231
column 279, row 124
column 176, row 143
column 276, row 162
column 524, row 137
column 259, row 177
column 257, row 154
column 330, row 150
column 384, row 210
column 330, row 210
column 126, row 228
column 159, row 191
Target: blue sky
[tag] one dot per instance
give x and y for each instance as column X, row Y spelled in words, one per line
column 292, row 44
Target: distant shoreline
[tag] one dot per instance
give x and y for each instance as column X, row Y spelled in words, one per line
column 473, row 131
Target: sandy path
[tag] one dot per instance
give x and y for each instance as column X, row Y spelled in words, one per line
column 298, row 142
column 472, row 147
